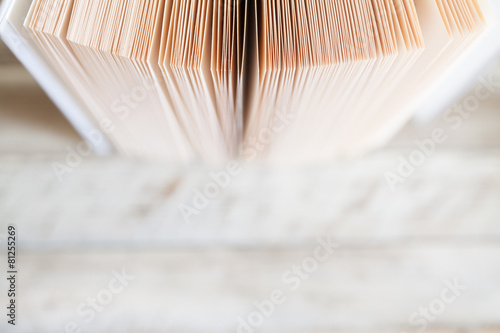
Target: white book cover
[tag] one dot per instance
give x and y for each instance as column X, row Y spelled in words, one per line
column 465, row 73
column 17, row 38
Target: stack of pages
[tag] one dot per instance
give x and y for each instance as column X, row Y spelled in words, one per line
column 289, row 81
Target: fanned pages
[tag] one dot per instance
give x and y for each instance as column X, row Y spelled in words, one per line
column 339, row 77
column 276, row 80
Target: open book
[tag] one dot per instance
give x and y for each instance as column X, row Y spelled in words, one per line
column 276, row 80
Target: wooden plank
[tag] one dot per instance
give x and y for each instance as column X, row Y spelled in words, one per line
column 454, row 195
column 207, row 290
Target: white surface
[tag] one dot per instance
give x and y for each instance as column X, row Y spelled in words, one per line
column 372, row 289
column 111, row 202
